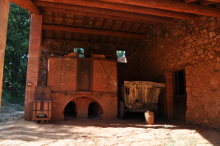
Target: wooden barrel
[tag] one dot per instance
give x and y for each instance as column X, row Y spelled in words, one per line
column 149, row 117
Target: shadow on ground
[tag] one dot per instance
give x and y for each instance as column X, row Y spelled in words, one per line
column 130, row 131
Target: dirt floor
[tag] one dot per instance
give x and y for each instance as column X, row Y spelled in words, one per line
column 99, row 133
column 10, row 112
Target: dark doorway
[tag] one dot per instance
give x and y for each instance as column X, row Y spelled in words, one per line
column 83, row 82
column 180, row 95
column 94, row 110
column 70, row 111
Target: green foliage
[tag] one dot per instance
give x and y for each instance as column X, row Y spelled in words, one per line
column 16, row 54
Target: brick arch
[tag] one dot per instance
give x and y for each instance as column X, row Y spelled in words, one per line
column 67, row 104
column 82, row 105
column 107, row 102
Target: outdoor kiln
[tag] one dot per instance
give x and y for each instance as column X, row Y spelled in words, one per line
column 82, row 87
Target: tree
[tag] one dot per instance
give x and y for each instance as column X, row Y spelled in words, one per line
column 16, row 54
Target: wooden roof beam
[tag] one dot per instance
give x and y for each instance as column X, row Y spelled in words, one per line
column 28, row 5
column 93, row 31
column 87, row 11
column 126, row 8
column 171, row 5
column 206, row 3
column 137, row 19
column 93, row 45
column 214, row 1
column 191, row 1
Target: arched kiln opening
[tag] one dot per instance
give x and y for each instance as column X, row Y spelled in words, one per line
column 94, row 110
column 70, row 111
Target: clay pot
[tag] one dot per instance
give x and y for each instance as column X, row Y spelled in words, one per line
column 149, row 117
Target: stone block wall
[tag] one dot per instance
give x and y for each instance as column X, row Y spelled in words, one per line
column 195, row 47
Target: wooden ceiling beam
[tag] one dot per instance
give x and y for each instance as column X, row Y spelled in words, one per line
column 214, row 1
column 126, row 8
column 206, row 3
column 87, row 11
column 28, row 5
column 93, row 45
column 190, row 1
column 93, row 31
column 103, row 15
column 171, row 5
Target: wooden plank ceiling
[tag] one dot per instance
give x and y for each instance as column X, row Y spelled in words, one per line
column 118, row 22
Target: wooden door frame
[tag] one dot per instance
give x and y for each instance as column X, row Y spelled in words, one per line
column 169, row 79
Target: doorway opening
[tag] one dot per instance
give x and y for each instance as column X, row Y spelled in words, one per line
column 70, row 112
column 180, row 96
column 94, row 110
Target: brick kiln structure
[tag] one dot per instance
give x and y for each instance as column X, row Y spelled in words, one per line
column 175, row 42
column 83, row 81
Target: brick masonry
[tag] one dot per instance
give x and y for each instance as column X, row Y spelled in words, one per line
column 194, row 46
column 64, row 84
column 33, row 63
column 107, row 101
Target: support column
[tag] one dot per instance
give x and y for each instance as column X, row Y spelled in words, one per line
column 169, row 94
column 33, row 63
column 4, row 13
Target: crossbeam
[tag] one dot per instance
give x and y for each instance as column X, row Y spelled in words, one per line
column 171, row 5
column 146, row 20
column 214, row 1
column 71, row 9
column 27, row 4
column 125, row 8
column 93, row 31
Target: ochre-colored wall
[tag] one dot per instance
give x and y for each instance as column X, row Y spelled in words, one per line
column 194, row 46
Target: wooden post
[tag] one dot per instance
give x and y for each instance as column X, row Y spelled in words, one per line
column 33, row 63
column 4, row 13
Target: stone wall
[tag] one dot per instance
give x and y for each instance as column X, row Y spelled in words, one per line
column 194, row 46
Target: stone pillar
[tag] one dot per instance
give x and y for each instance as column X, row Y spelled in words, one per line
column 4, row 13
column 33, row 63
column 169, row 94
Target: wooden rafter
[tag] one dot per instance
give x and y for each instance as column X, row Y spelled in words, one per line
column 214, row 1
column 27, row 4
column 103, row 12
column 206, row 3
column 112, row 15
column 106, row 47
column 93, row 31
column 126, row 8
column 171, row 5
column 190, row 1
